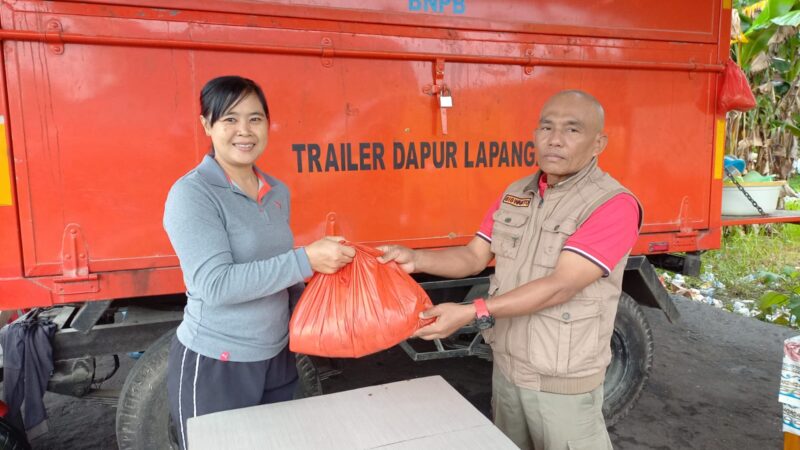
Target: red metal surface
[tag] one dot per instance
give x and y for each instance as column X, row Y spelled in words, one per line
column 776, row 217
column 10, row 244
column 57, row 40
column 680, row 20
column 19, row 293
column 101, row 97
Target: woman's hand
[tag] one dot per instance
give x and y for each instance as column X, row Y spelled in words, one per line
column 328, row 254
column 403, row 256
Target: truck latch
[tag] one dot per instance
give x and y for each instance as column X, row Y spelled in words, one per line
column 440, row 89
column 685, row 240
column 75, row 278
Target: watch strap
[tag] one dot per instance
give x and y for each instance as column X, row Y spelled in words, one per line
column 480, row 308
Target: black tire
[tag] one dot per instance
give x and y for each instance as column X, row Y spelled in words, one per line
column 11, row 438
column 143, row 420
column 631, row 360
column 143, row 408
column 309, row 384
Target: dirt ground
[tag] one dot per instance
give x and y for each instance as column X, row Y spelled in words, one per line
column 714, row 386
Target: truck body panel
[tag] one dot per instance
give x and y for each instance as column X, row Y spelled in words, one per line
column 101, row 118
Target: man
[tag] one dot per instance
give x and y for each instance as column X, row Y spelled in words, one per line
column 560, row 239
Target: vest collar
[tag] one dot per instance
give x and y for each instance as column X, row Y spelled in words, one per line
column 533, row 185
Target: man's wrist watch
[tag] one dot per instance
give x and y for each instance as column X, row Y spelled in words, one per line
column 483, row 320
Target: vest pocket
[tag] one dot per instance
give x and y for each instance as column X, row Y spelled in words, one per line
column 564, row 338
column 554, row 234
column 507, row 232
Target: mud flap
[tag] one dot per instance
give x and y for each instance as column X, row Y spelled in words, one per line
column 641, row 282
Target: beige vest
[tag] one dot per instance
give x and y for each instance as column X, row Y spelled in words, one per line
column 566, row 348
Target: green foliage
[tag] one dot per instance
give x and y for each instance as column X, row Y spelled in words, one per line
column 791, row 19
column 766, row 44
column 763, row 259
column 792, row 128
column 759, row 31
column 776, row 288
column 774, row 10
column 794, row 182
column 781, row 306
column 756, row 44
column 792, row 231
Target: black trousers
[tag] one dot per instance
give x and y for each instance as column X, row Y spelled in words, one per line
column 198, row 385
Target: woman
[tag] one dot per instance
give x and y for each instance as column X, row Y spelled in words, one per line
column 229, row 225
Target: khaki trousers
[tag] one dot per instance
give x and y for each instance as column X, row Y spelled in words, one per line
column 545, row 421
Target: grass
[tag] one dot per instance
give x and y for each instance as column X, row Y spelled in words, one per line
column 756, row 271
column 794, row 182
column 749, row 263
column 793, row 231
column 754, row 260
column 758, row 263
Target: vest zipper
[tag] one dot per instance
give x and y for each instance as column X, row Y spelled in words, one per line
column 516, row 283
column 517, row 278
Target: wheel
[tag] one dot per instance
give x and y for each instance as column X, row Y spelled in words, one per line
column 10, row 438
column 143, row 420
column 309, row 384
column 143, row 410
column 631, row 360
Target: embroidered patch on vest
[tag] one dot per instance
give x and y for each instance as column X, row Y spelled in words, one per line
column 516, row 201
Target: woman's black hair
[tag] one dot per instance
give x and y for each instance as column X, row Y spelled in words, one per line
column 223, row 93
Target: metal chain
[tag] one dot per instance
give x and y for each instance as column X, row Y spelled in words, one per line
column 746, row 194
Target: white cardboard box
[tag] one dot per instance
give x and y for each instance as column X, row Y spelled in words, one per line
column 419, row 414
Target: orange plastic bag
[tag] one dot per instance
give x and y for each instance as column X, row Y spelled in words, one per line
column 361, row 309
column 734, row 90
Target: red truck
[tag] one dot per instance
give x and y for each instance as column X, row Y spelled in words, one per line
column 393, row 121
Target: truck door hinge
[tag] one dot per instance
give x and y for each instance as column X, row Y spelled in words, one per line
column 75, row 278
column 52, row 35
column 529, row 54
column 327, row 52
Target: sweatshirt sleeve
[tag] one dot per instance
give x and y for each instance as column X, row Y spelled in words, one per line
column 197, row 232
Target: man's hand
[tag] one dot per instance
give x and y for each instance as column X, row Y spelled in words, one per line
column 449, row 318
column 328, row 254
column 403, row 256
